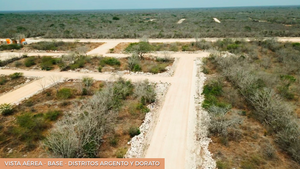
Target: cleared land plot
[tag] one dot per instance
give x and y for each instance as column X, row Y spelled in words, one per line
column 95, row 64
column 30, row 123
column 50, row 46
column 152, row 47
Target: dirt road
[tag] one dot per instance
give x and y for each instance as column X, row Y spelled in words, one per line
column 33, row 40
column 169, row 139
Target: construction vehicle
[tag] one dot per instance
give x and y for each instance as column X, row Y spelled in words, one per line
column 14, row 41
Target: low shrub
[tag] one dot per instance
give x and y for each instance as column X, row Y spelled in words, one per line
column 3, row 80
column 222, row 165
column 133, row 131
column 30, row 61
column 48, row 62
column 100, row 69
column 163, row 59
column 113, row 141
column 186, row 48
column 16, row 75
column 143, row 108
column 52, row 115
column 10, row 47
column 157, row 69
column 145, row 92
column 47, row 45
column 6, row 109
column 121, row 152
column 79, row 63
column 136, row 68
column 134, row 63
column 30, row 127
column 84, row 92
column 110, row 61
column 64, row 93
column 210, row 92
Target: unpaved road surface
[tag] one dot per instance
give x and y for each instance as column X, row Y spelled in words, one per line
column 34, row 40
column 103, row 49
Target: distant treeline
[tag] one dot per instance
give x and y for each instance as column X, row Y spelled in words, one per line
column 235, row 22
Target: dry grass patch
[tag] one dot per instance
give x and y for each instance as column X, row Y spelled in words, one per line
column 9, row 82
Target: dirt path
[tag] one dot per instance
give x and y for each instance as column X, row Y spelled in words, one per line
column 103, row 49
column 170, row 135
column 19, row 94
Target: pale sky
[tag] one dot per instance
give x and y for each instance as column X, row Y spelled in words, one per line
column 8, row 5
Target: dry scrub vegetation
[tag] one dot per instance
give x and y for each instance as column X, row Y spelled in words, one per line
column 97, row 64
column 9, row 82
column 145, row 47
column 76, row 119
column 253, row 100
column 50, row 46
column 236, row 22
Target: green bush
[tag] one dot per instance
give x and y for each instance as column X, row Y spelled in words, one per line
column 163, row 59
column 186, row 48
column 133, row 131
column 121, row 152
column 79, row 63
column 52, row 115
column 47, row 45
column 6, row 109
column 222, row 165
column 16, row 75
column 3, row 80
column 213, row 89
column 84, row 91
column 142, row 107
column 90, row 149
column 100, row 68
column 210, row 92
column 64, row 93
column 174, row 47
column 30, row 61
column 113, row 141
column 136, row 68
column 30, row 127
column 48, row 62
column 157, row 69
column 140, row 48
column 116, row 18
column 110, row 61
column 232, row 47
column 10, row 47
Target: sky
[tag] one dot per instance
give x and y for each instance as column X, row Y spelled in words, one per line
column 12, row 5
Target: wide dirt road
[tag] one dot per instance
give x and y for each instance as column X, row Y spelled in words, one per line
column 169, row 139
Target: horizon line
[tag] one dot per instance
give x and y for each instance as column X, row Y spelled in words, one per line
column 150, row 8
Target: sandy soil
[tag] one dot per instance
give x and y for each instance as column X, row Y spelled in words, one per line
column 170, row 136
column 180, row 21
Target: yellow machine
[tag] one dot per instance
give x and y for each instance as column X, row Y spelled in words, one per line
column 14, row 41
